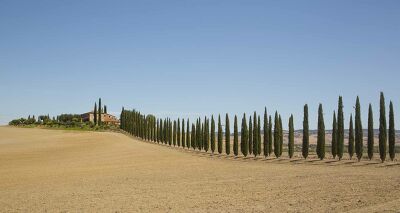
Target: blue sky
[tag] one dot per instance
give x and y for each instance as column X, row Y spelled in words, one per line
column 198, row 57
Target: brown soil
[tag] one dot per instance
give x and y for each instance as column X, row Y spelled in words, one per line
column 72, row 171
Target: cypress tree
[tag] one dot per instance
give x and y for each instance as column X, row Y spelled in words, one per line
column 340, row 129
column 270, row 138
column 370, row 132
column 183, row 133
column 174, row 134
column 219, row 135
column 392, row 133
column 193, row 137
column 382, row 129
column 161, row 131
column 105, row 109
column 227, row 135
column 250, row 141
column 235, row 138
column 358, row 131
column 188, row 135
column 206, row 135
column 178, row 132
column 351, row 138
column 321, row 134
column 170, row 132
column 212, row 134
column 266, row 145
column 99, row 112
column 280, row 136
column 158, row 131
column 276, row 136
column 305, row 133
column 334, row 136
column 95, row 114
column 244, row 136
column 259, row 136
column 291, row 137
column 255, row 136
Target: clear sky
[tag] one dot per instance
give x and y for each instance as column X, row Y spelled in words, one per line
column 198, row 57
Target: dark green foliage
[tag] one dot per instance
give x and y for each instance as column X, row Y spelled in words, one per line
column 244, row 137
column 382, row 129
column 306, row 139
column 174, row 134
column 212, row 134
column 280, row 136
column 235, row 137
column 259, row 136
column 193, row 137
column 95, row 114
column 255, row 136
column 219, row 135
column 105, row 109
column 334, row 136
column 358, row 131
column 266, row 136
column 183, row 134
column 340, row 129
column 351, row 138
column 270, row 136
column 291, row 137
column 206, row 138
column 188, row 144
column 227, row 135
column 321, row 134
column 170, row 133
column 276, row 136
column 178, row 133
column 370, row 132
column 392, row 133
column 99, row 112
column 250, row 141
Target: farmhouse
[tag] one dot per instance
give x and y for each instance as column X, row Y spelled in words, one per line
column 105, row 118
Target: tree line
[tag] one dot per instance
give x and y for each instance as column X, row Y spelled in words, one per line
column 258, row 138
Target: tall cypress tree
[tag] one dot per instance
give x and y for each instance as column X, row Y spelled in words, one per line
column 219, row 135
column 244, row 137
column 291, row 137
column 265, row 132
column 178, row 132
column 212, row 134
column 340, row 130
column 370, row 132
column 358, row 131
column 174, row 134
column 270, row 136
column 183, row 133
column 235, row 137
column 276, row 136
column 392, row 133
column 382, row 129
column 280, row 136
column 95, row 114
column 250, row 141
column 334, row 136
column 305, row 133
column 105, row 109
column 321, row 134
column 255, row 136
column 193, row 137
column 351, row 138
column 206, row 135
column 188, row 134
column 99, row 112
column 227, row 135
column 259, row 136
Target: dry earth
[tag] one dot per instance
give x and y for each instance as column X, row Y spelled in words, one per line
column 72, row 171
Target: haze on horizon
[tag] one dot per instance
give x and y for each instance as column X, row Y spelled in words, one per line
column 197, row 58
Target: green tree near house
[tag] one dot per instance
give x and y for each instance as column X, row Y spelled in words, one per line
column 351, row 138
column 392, row 132
column 95, row 114
column 99, row 121
column 321, row 134
column 235, row 137
column 306, row 139
column 382, row 129
column 359, row 146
